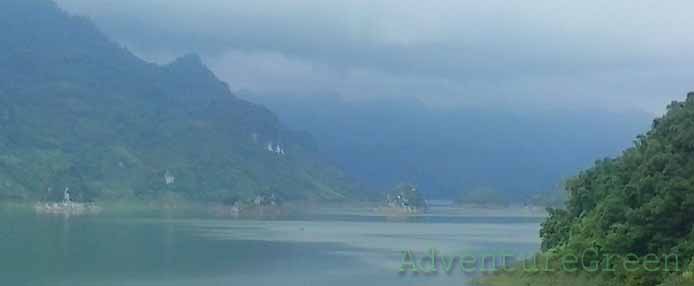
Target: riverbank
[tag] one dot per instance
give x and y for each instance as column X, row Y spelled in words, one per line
column 111, row 208
column 517, row 279
column 177, row 208
column 562, row 279
column 542, row 272
column 185, row 208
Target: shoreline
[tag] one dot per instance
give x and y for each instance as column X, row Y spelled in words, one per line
column 182, row 208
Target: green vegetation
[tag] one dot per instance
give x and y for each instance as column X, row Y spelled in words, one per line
column 79, row 111
column 636, row 209
column 565, row 268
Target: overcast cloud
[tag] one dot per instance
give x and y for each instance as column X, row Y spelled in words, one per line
column 619, row 54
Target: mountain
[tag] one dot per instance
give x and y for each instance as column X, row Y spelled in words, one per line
column 640, row 204
column 448, row 152
column 79, row 111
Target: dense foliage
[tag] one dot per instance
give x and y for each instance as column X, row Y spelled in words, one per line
column 640, row 203
column 79, row 111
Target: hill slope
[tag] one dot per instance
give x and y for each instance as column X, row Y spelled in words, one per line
column 641, row 203
column 79, row 111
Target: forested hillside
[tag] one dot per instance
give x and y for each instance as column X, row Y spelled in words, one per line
column 641, row 204
column 79, row 111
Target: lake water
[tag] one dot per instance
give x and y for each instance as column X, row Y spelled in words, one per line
column 324, row 248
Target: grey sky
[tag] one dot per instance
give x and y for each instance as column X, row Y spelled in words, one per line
column 618, row 54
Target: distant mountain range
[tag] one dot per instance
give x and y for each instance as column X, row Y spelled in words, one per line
column 449, row 153
column 79, row 111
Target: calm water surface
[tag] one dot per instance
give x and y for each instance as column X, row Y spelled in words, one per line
column 328, row 248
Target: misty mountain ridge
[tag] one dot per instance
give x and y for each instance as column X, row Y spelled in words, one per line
column 448, row 152
column 78, row 110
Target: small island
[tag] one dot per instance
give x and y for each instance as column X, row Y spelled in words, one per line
column 405, row 199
